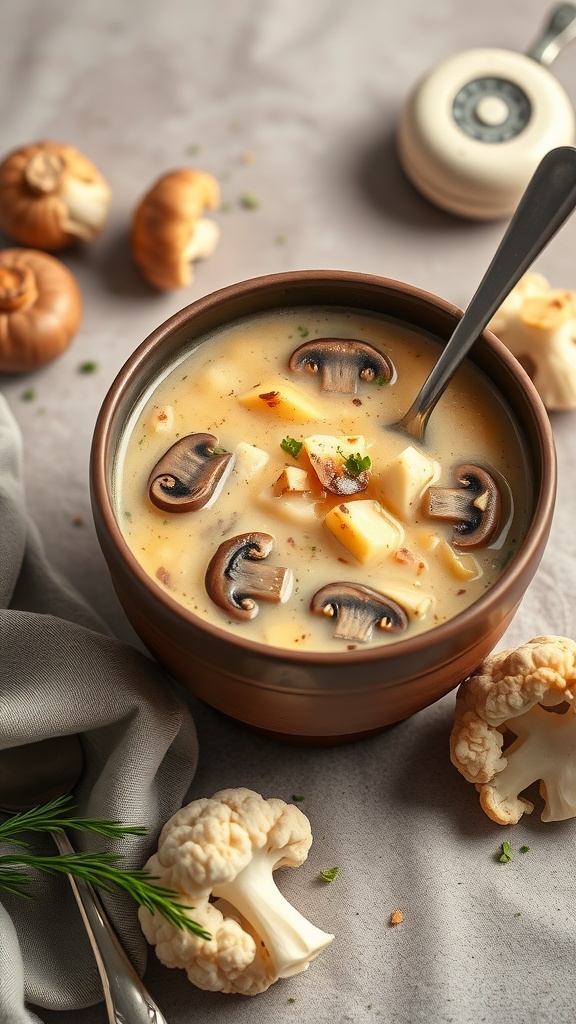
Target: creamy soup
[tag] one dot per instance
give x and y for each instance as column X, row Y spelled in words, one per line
column 369, row 537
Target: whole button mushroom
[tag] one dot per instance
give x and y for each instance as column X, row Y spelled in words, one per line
column 190, row 475
column 341, row 363
column 474, row 506
column 40, row 309
column 358, row 611
column 52, row 196
column 237, row 578
column 169, row 231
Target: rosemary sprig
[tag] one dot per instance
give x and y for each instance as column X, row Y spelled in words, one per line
column 48, row 818
column 98, row 869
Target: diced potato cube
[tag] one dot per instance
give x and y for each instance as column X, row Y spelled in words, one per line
column 416, row 604
column 249, row 460
column 161, row 419
column 293, row 480
column 299, row 508
column 327, row 444
column 461, row 564
column 220, row 377
column 404, row 479
column 365, row 529
column 327, row 456
column 281, row 398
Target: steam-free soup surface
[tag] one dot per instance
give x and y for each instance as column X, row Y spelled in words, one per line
column 205, row 393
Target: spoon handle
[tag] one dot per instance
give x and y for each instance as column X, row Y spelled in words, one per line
column 126, row 998
column 549, row 199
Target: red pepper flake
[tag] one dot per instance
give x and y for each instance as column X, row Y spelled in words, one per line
column 356, row 401
column 461, row 591
column 351, row 647
column 344, row 561
column 272, row 398
column 291, row 541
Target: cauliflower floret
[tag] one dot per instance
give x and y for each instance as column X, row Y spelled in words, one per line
column 227, row 847
column 510, row 691
column 538, row 324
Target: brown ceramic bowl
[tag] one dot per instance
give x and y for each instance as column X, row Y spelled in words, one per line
column 318, row 697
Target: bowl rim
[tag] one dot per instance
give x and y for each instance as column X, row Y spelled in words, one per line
column 437, row 635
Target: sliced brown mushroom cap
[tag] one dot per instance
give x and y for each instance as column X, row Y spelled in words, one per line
column 474, row 506
column 190, row 475
column 341, row 362
column 358, row 610
column 236, row 578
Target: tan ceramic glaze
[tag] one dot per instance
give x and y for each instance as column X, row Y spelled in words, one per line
column 317, row 696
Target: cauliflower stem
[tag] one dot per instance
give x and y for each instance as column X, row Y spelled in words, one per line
column 291, row 940
column 518, row 691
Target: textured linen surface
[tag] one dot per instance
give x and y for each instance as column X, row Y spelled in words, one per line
column 60, row 674
column 295, row 104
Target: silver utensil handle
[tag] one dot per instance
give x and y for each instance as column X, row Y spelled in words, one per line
column 549, row 199
column 126, row 998
column 559, row 30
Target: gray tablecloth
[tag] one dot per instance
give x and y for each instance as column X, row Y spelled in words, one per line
column 296, row 104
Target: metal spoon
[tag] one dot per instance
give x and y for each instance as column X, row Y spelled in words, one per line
column 549, row 199
column 32, row 775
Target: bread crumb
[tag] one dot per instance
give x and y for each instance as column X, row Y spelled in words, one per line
column 396, row 917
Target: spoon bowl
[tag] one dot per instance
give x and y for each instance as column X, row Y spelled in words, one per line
column 34, row 774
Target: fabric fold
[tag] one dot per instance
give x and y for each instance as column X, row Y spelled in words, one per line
column 62, row 673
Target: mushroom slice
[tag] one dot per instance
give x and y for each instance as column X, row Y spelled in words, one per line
column 236, row 577
column 358, row 610
column 341, row 363
column 190, row 475
column 474, row 506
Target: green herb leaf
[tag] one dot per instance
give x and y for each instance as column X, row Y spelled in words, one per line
column 297, row 798
column 99, row 869
column 505, row 854
column 303, row 332
column 249, row 202
column 380, row 381
column 29, row 395
column 52, row 817
column 524, row 849
column 355, row 464
column 292, row 446
column 329, row 874
column 89, row 366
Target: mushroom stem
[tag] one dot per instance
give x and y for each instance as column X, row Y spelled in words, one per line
column 236, row 579
column 342, row 362
column 17, row 288
column 358, row 610
column 474, row 506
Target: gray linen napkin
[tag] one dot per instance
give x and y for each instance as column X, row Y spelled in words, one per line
column 60, row 673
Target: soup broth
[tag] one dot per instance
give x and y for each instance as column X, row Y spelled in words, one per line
column 343, row 494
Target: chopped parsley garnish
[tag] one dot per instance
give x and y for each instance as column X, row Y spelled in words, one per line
column 280, row 240
column 303, row 332
column 292, row 446
column 355, row 464
column 193, row 149
column 380, row 381
column 88, row 367
column 29, row 395
column 329, row 874
column 249, row 202
column 505, row 854
column 297, row 798
column 524, row 849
